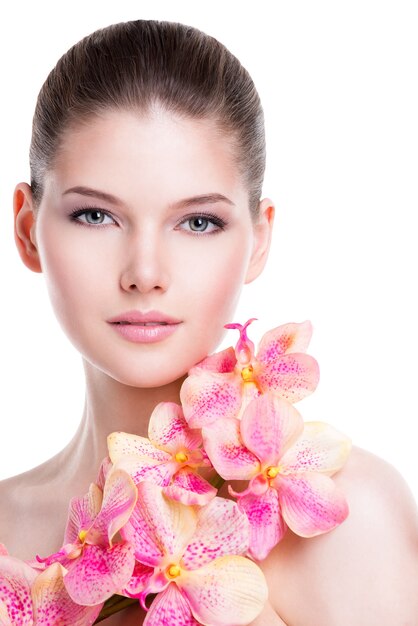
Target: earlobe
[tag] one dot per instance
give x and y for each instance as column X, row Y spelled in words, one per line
column 24, row 227
column 263, row 229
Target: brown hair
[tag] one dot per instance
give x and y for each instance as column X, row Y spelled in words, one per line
column 133, row 65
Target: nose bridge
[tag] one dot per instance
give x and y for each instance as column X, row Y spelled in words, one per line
column 143, row 266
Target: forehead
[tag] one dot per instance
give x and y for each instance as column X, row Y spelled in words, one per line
column 127, row 153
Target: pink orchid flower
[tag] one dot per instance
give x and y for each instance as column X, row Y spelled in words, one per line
column 191, row 557
column 288, row 464
column 97, row 567
column 30, row 598
column 224, row 383
column 170, row 457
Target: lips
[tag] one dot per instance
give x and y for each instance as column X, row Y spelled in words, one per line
column 139, row 318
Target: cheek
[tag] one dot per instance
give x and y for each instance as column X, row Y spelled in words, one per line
column 214, row 284
column 71, row 275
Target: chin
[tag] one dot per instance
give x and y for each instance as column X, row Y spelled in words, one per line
column 145, row 377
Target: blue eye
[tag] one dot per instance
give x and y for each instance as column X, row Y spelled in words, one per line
column 200, row 223
column 97, row 216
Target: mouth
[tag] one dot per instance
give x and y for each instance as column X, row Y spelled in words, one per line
column 143, row 323
column 142, row 318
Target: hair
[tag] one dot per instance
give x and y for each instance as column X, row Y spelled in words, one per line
column 138, row 64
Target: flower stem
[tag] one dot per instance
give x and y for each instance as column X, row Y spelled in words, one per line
column 113, row 605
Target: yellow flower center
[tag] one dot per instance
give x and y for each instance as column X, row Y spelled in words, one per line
column 272, row 471
column 181, row 457
column 82, row 535
column 247, row 373
column 173, row 571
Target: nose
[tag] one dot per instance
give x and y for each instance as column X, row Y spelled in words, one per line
column 145, row 264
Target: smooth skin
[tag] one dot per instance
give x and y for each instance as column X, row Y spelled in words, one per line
column 147, row 249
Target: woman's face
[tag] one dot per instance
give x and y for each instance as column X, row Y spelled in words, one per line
column 176, row 237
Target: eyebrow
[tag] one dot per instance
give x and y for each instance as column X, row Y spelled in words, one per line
column 208, row 198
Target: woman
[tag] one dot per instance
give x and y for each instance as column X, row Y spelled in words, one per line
column 144, row 215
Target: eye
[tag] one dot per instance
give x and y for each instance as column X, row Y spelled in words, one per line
column 93, row 216
column 203, row 223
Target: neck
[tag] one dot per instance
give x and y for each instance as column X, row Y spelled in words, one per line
column 110, row 406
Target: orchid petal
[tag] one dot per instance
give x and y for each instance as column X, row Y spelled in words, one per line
column 170, row 607
column 229, row 590
column 269, row 426
column 293, row 376
column 138, row 581
column 104, row 470
column 16, row 578
column 158, row 526
column 227, row 452
column 3, row 550
column 292, row 337
column 190, row 488
column 311, row 504
column 122, row 444
column 99, row 573
column 222, row 529
column 221, row 362
column 169, row 430
column 119, row 498
column 82, row 512
column 320, row 448
column 52, row 604
column 266, row 523
column 4, row 615
column 159, row 473
column 207, row 396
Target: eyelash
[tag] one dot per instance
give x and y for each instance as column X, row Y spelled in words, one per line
column 210, row 217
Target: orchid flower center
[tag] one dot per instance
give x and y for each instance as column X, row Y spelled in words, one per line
column 181, row 457
column 247, row 374
column 173, row 571
column 272, row 471
column 82, row 535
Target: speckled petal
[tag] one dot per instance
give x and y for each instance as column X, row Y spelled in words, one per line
column 310, row 503
column 229, row 590
column 320, row 448
column 4, row 615
column 190, row 488
column 269, row 426
column 221, row 362
column 119, row 498
column 222, row 529
column 207, row 396
column 122, row 444
column 82, row 512
column 292, row 337
column 99, row 573
column 158, row 525
column 138, row 581
column 227, row 452
column 16, row 578
column 266, row 523
column 53, row 605
column 159, row 473
column 169, row 430
column 292, row 376
column 170, row 608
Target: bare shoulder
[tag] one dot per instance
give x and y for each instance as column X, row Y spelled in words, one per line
column 366, row 570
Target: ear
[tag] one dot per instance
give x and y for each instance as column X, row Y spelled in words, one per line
column 25, row 227
column 263, row 229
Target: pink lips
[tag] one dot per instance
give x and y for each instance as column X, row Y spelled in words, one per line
column 131, row 326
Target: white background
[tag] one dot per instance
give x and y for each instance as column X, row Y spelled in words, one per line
column 338, row 81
